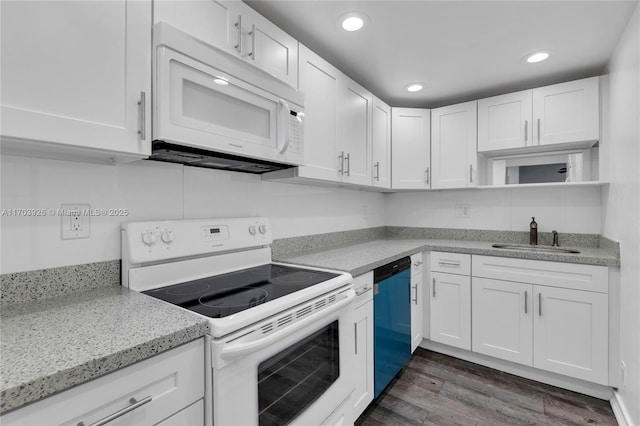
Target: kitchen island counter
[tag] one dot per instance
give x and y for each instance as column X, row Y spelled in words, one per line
column 50, row 345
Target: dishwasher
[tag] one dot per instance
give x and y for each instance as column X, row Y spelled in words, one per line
column 392, row 321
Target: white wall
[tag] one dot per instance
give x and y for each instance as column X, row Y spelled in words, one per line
column 570, row 210
column 153, row 190
column 621, row 202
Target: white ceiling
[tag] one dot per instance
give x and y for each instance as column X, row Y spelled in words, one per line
column 461, row 50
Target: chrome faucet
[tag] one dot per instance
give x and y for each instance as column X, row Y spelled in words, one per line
column 555, row 239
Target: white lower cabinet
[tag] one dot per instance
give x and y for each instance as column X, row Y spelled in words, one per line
column 363, row 329
column 554, row 317
column 167, row 389
column 502, row 312
column 416, row 300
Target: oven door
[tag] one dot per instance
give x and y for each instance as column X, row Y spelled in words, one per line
column 287, row 370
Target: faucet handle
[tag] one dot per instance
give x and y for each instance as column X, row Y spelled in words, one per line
column 555, row 239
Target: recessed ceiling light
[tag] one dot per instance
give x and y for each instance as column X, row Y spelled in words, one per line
column 353, row 21
column 221, row 81
column 414, row 87
column 537, row 57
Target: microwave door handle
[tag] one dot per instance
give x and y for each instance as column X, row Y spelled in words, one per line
column 283, row 126
column 239, row 350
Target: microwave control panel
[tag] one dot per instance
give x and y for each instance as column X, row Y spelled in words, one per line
column 296, row 131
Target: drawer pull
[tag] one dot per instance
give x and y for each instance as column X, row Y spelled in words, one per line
column 449, row 262
column 111, row 417
column 362, row 291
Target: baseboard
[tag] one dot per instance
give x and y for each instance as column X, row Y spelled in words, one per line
column 619, row 410
column 592, row 389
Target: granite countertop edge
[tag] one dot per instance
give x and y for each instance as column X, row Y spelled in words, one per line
column 29, row 386
column 369, row 257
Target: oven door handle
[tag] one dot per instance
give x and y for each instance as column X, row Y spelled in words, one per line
column 238, row 350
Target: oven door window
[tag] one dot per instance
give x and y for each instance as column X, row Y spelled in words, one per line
column 293, row 379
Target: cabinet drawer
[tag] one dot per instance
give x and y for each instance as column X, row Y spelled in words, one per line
column 172, row 380
column 553, row 274
column 416, row 264
column 363, row 286
column 452, row 263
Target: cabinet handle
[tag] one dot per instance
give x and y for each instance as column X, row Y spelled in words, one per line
column 538, row 131
column 426, row 175
column 252, row 33
column 362, row 291
column 526, row 135
column 341, row 158
column 355, row 334
column 415, row 287
column 449, row 262
column 238, row 25
column 348, row 158
column 377, row 166
column 526, row 295
column 418, row 263
column 539, row 304
column 142, row 116
column 434, row 288
column 470, row 173
column 134, row 404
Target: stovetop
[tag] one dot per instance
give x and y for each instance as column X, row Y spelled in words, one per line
column 226, row 294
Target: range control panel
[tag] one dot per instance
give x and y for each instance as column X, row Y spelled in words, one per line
column 144, row 242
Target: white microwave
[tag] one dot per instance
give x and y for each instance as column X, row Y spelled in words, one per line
column 544, row 167
column 214, row 110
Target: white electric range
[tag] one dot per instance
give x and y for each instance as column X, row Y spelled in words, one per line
column 280, row 342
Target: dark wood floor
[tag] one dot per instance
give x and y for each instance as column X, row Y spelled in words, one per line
column 435, row 389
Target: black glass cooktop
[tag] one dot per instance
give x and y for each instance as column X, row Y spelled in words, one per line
column 226, row 294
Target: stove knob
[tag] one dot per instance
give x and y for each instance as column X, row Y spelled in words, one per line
column 262, row 229
column 252, row 230
column 168, row 237
column 149, row 238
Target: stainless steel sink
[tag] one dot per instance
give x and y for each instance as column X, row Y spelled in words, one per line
column 539, row 249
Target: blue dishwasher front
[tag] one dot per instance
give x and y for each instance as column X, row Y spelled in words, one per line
column 392, row 321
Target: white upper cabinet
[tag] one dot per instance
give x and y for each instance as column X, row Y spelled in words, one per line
column 355, row 109
column 319, row 82
column 217, row 23
column 410, row 148
column 453, row 146
column 268, row 47
column 567, row 112
column 381, row 144
column 76, row 75
column 505, row 121
column 236, row 28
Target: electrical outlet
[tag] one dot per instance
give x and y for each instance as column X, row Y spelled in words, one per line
column 75, row 221
column 463, row 210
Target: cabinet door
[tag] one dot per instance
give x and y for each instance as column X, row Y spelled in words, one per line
column 451, row 309
column 268, row 47
column 502, row 319
column 381, row 144
column 410, row 148
column 319, row 83
column 355, row 109
column 77, row 74
column 571, row 333
column 363, row 365
column 453, row 146
column 567, row 112
column 216, row 22
column 505, row 121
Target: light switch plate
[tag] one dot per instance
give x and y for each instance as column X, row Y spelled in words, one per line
column 463, row 210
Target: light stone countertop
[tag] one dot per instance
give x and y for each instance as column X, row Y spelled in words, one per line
column 50, row 345
column 360, row 258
